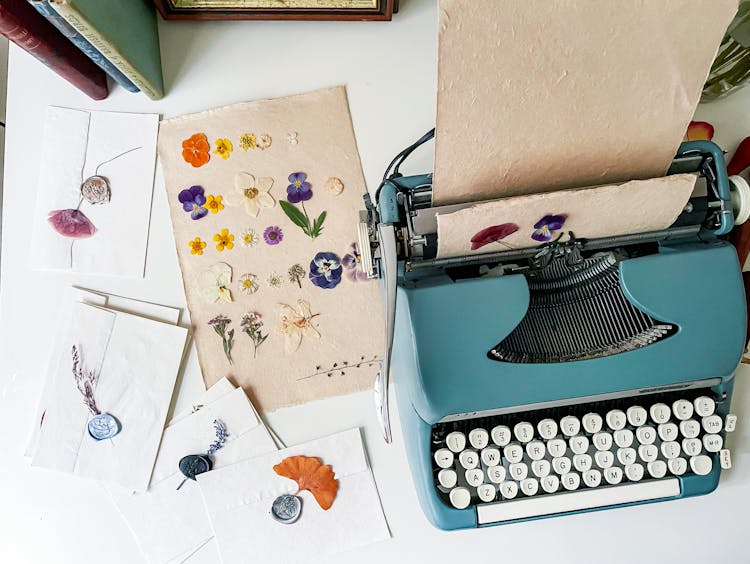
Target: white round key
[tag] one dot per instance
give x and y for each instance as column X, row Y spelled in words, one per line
column 604, row 459
column 557, row 447
column 536, row 450
column 592, row 478
column 561, row 465
column 613, row 475
column 692, row 447
column 518, row 471
column 700, row 464
column 529, row 486
column 524, row 432
column 623, row 438
column 496, row 474
column 570, row 481
column 469, row 459
column 645, row 435
column 474, row 477
column 447, row 478
column 616, row 419
column 551, row 483
column 668, row 432
column 634, row 472
column 501, row 435
column 648, row 453
column 670, row 449
column 547, row 428
column 660, row 413
column 509, row 489
column 602, row 441
column 682, row 409
column 490, row 456
column 712, row 424
column 677, row 466
column 704, row 406
column 513, row 453
column 460, row 498
column 579, row 444
column 713, row 443
column 570, row 425
column 479, row 438
column 444, row 458
column 486, row 492
column 657, row 468
column 690, row 428
column 582, row 462
column 637, row 415
column 626, row 456
column 456, row 441
column 541, row 468
column 592, row 423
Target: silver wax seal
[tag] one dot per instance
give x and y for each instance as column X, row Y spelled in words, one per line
column 286, row 508
column 95, row 189
column 103, row 426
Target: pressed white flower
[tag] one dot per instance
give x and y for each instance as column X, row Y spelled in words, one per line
column 292, row 138
column 295, row 323
column 252, row 193
column 213, row 284
column 249, row 238
column 248, row 283
column 275, row 280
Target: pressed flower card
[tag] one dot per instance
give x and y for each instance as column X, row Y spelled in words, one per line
column 264, row 198
column 93, row 202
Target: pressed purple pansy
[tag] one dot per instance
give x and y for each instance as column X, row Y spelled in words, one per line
column 299, row 190
column 193, row 200
column 71, row 223
column 545, row 226
column 351, row 262
column 325, row 270
column 273, row 235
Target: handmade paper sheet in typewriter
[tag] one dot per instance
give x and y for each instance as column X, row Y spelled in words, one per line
column 334, row 505
column 264, row 198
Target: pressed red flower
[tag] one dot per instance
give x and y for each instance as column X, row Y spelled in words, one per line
column 492, row 234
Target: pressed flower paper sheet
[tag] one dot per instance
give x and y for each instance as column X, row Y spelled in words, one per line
column 264, row 199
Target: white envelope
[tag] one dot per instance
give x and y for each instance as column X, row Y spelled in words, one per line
column 170, row 524
column 138, row 361
column 239, row 497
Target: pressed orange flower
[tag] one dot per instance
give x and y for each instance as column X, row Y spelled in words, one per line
column 196, row 246
column 311, row 475
column 213, row 204
column 223, row 148
column 195, row 149
column 224, row 240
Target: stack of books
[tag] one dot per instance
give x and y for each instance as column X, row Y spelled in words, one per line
column 85, row 40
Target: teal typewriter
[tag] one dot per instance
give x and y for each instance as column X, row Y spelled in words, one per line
column 569, row 377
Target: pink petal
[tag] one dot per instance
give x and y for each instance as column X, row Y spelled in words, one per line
column 71, row 223
column 492, row 234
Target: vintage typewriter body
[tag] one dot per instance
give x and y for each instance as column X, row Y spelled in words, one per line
column 501, row 362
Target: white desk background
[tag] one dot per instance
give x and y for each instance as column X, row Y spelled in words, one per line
column 389, row 69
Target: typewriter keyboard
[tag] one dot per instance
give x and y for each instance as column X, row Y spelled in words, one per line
column 519, row 465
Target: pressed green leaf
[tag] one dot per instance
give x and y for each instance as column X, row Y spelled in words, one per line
column 318, row 224
column 297, row 217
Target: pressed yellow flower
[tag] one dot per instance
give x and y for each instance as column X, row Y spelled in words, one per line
column 213, row 204
column 248, row 141
column 224, row 240
column 196, row 246
column 223, row 148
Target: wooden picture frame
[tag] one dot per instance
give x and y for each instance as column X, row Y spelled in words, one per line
column 361, row 10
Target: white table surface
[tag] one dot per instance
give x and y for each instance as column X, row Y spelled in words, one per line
column 389, row 69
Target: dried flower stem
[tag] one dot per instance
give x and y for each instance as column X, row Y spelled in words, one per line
column 340, row 368
column 85, row 382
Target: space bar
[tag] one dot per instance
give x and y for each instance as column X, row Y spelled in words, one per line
column 500, row 511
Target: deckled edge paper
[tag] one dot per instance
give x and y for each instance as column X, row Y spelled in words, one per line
column 634, row 207
column 542, row 96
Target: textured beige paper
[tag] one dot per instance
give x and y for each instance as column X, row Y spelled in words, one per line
column 634, row 207
column 535, row 96
column 350, row 320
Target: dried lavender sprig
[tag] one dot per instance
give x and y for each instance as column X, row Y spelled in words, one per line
column 221, row 436
column 85, row 382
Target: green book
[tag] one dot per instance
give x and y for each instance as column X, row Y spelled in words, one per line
column 125, row 32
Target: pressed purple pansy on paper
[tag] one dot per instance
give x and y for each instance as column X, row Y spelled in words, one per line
column 325, row 270
column 545, row 226
column 352, row 263
column 273, row 235
column 492, row 234
column 193, row 201
column 71, row 223
column 299, row 189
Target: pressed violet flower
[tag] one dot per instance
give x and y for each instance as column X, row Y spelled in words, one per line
column 248, row 284
column 545, row 226
column 295, row 323
column 273, row 235
column 325, row 270
column 249, row 238
column 193, row 200
column 224, row 240
column 251, row 193
column 352, row 262
column 299, row 189
column 220, row 324
column 223, row 148
column 298, row 192
column 252, row 326
column 71, row 223
column 195, row 150
column 214, row 204
column 196, row 246
column 492, row 234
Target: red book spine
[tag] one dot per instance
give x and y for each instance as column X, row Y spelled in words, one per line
column 28, row 29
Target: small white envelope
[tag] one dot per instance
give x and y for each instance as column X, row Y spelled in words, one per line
column 239, row 497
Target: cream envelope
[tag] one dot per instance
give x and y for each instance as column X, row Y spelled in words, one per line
column 239, row 498
column 171, row 524
column 137, row 361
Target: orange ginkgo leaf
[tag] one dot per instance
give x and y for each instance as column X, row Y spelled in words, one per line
column 311, row 475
